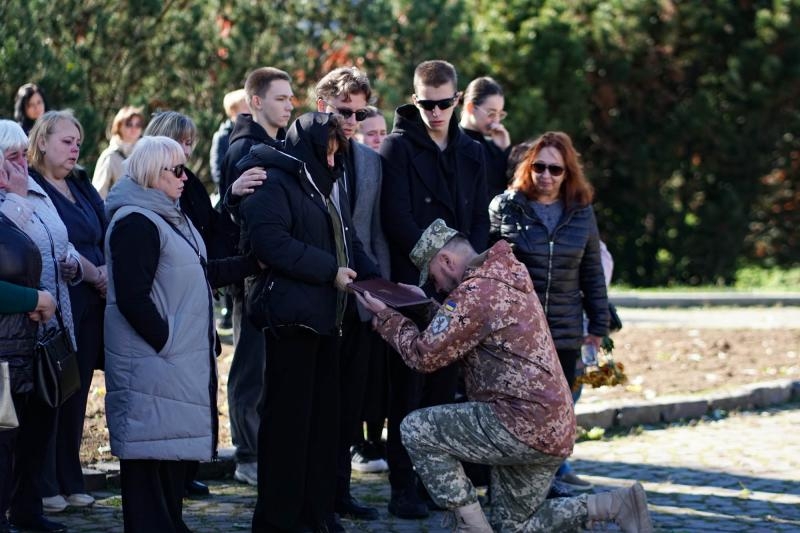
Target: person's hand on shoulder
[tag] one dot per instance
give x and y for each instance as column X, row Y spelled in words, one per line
column 248, row 181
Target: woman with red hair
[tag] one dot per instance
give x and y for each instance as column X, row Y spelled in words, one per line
column 547, row 217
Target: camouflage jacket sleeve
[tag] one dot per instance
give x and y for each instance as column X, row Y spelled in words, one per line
column 461, row 323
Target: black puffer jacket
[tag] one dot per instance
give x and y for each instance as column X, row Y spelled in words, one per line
column 21, row 264
column 289, row 228
column 565, row 266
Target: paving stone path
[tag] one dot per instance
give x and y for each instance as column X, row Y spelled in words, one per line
column 741, row 473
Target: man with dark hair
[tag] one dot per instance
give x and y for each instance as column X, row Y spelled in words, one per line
column 519, row 418
column 270, row 99
column 346, row 92
column 431, row 170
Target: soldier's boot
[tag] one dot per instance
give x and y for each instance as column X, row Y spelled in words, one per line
column 470, row 519
column 627, row 507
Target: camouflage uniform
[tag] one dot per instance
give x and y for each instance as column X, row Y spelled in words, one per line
column 521, row 420
column 439, row 438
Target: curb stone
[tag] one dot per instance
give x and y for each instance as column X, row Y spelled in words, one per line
column 671, row 409
column 702, row 299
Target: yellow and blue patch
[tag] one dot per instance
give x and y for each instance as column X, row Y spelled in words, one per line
column 450, row 305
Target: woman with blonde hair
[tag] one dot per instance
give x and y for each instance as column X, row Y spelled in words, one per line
column 160, row 338
column 126, row 128
column 52, row 155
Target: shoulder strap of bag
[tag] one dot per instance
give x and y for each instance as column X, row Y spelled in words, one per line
column 55, row 268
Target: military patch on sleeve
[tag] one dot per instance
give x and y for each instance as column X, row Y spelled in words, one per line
column 439, row 324
column 450, row 305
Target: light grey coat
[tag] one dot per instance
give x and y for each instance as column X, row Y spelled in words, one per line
column 36, row 215
column 367, row 211
column 159, row 405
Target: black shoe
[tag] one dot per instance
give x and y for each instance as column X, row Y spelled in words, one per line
column 352, row 508
column 195, row 489
column 407, row 504
column 38, row 523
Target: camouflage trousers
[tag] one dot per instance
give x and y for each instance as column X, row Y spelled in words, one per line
column 438, row 438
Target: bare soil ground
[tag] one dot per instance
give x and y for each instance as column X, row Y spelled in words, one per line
column 658, row 362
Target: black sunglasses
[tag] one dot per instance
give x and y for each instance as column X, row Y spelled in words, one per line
column 555, row 170
column 443, row 104
column 177, row 170
column 361, row 114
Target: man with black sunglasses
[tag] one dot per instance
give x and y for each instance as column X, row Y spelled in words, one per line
column 346, row 92
column 431, row 170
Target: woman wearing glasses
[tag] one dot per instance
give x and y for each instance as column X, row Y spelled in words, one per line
column 548, row 218
column 482, row 119
column 126, row 128
column 161, row 374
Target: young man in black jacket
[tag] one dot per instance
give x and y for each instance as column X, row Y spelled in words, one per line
column 431, row 170
column 269, row 97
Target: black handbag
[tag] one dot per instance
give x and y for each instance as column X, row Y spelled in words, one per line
column 55, row 368
column 55, row 365
column 614, row 322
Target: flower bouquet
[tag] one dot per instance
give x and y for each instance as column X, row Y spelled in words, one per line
column 607, row 372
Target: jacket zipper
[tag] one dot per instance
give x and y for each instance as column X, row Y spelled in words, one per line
column 551, row 245
column 549, row 278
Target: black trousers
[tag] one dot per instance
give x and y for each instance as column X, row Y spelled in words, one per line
column 152, row 495
column 410, row 390
column 568, row 358
column 245, row 383
column 22, row 452
column 62, row 472
column 360, row 348
column 298, row 436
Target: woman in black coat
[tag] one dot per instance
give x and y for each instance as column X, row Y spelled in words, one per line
column 548, row 218
column 298, row 224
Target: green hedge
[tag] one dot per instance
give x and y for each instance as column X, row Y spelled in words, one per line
column 685, row 112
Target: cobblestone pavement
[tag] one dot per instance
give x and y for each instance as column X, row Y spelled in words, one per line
column 741, row 473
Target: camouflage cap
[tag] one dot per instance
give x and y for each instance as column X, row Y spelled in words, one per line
column 432, row 240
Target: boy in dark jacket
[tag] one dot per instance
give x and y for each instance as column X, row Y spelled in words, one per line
column 431, row 170
column 269, row 97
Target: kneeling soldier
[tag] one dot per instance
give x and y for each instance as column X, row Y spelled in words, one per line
column 520, row 420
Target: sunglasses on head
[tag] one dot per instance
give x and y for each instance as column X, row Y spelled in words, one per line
column 177, row 170
column 443, row 104
column 555, row 170
column 361, row 114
